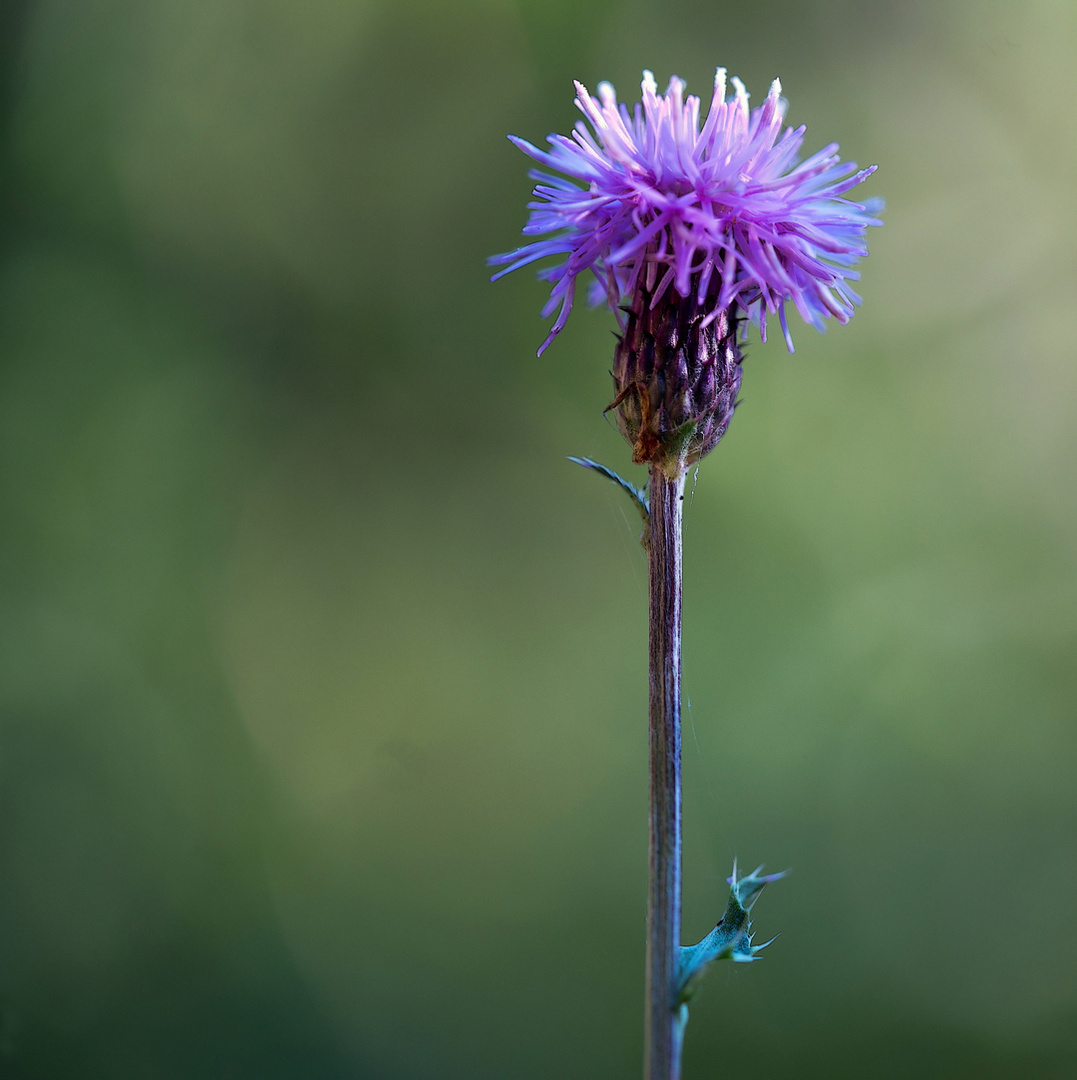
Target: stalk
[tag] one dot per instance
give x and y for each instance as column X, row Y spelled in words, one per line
column 663, row 1032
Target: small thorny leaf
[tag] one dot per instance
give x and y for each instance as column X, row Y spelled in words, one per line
column 731, row 939
column 637, row 495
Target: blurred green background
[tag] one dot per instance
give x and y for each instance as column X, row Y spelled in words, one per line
column 322, row 673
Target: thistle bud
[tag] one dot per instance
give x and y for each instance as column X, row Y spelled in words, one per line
column 676, row 374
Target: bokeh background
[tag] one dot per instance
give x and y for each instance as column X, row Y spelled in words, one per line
column 322, row 673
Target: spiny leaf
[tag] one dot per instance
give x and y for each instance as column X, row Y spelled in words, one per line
column 731, row 939
column 637, row 495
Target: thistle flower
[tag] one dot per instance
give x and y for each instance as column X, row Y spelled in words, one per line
column 696, row 229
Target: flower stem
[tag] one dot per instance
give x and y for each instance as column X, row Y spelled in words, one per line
column 662, row 1032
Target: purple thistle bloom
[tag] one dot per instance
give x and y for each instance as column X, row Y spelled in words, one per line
column 723, row 215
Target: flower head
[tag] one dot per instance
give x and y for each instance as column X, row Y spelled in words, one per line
column 720, row 215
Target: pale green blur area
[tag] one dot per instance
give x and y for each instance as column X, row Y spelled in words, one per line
column 323, row 673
